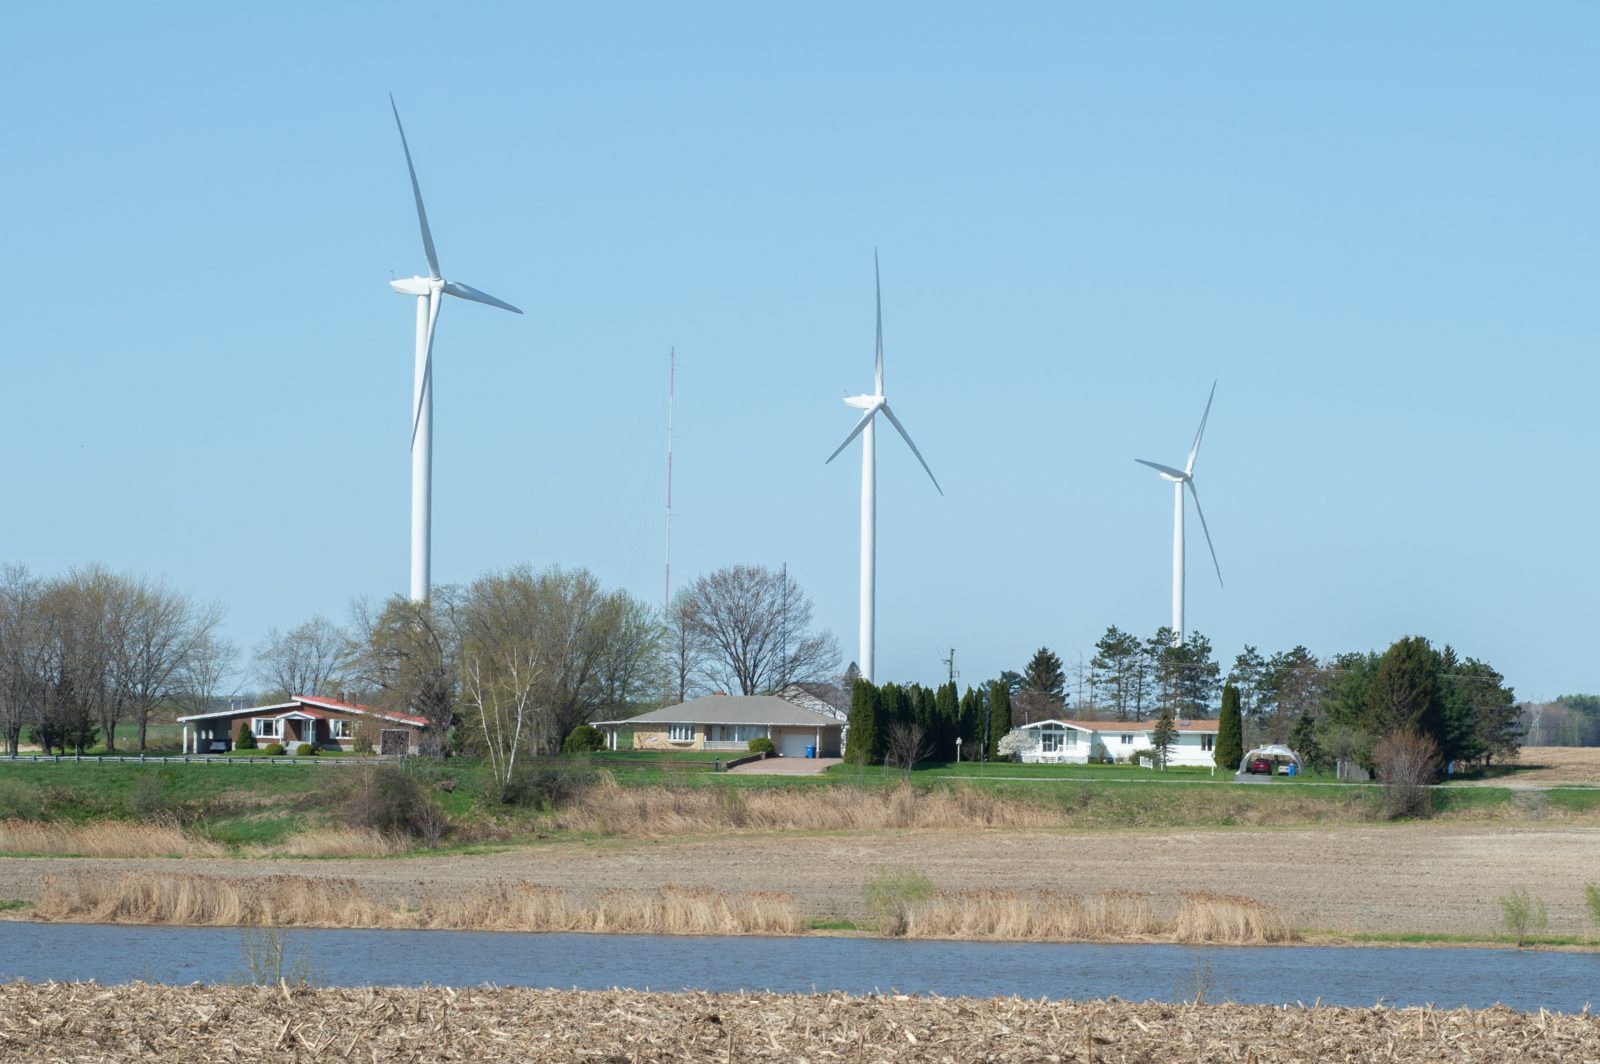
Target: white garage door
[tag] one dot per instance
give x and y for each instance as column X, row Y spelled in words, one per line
column 795, row 743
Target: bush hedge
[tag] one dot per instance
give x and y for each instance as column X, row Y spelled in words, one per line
column 763, row 745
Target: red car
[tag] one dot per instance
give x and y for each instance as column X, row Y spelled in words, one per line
column 1260, row 766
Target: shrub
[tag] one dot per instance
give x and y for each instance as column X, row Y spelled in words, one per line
column 362, row 741
column 1523, row 914
column 891, row 894
column 1407, row 763
column 273, row 750
column 763, row 745
column 18, row 801
column 583, row 740
column 1139, row 757
column 392, row 801
column 246, row 739
column 147, row 798
column 305, row 750
column 547, row 785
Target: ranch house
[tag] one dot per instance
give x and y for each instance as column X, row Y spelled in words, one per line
column 1081, row 741
column 727, row 723
column 321, row 722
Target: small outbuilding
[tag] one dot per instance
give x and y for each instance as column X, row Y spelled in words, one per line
column 727, row 723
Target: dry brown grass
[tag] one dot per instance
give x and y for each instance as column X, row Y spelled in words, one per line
column 327, row 842
column 104, row 838
column 1555, row 764
column 610, row 808
column 310, row 901
column 1228, row 918
column 82, row 1021
column 1109, row 916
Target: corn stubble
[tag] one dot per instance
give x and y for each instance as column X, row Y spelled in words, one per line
column 83, row 1021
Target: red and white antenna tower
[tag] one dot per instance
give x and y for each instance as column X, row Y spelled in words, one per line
column 672, row 385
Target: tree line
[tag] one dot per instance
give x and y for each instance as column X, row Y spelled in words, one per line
column 86, row 651
column 902, row 724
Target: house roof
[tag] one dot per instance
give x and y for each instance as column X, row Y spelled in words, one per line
column 1185, row 725
column 734, row 709
column 312, row 707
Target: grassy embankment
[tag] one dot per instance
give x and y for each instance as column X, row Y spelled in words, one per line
column 304, row 810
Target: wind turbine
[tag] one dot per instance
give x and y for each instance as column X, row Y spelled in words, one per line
column 1180, row 479
column 429, row 291
column 873, row 404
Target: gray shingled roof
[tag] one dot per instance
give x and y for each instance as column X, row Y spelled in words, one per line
column 734, row 709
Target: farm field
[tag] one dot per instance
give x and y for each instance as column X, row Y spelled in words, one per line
column 1431, row 878
column 69, row 1021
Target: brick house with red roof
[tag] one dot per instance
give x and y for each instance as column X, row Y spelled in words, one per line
column 324, row 723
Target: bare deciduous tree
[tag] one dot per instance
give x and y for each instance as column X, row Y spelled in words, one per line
column 750, row 624
column 24, row 652
column 906, row 745
column 406, row 654
column 308, row 660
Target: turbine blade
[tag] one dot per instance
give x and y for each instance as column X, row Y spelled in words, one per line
column 416, row 190
column 425, row 389
column 901, row 429
column 1195, row 495
column 877, row 281
column 1189, row 466
column 860, row 425
column 1176, row 474
column 456, row 288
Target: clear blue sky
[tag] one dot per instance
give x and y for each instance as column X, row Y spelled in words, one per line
column 1375, row 225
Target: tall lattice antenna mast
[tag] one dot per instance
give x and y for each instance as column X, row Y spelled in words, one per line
column 672, row 386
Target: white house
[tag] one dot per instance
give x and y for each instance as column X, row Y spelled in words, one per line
column 1081, row 741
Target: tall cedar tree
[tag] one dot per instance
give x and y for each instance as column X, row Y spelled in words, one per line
column 1163, row 736
column 972, row 723
column 947, row 710
column 1045, row 675
column 999, row 714
column 863, row 735
column 1230, row 732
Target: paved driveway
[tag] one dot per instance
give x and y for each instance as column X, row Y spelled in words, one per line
column 787, row 766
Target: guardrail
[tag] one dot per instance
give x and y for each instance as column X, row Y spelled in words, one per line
column 187, row 759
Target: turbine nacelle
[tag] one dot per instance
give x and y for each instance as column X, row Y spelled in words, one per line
column 416, row 286
column 864, row 402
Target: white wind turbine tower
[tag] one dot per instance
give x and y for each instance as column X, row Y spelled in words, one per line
column 1180, row 479
column 873, row 404
column 429, row 291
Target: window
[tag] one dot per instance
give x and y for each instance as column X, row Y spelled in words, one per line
column 339, row 729
column 1207, row 742
column 680, row 733
column 1050, row 740
column 266, row 729
column 1127, row 740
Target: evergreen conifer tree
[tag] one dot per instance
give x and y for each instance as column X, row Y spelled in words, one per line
column 1163, row 736
column 863, row 738
column 999, row 714
column 1229, row 750
column 947, row 711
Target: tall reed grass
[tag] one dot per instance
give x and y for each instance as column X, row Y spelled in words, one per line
column 104, row 838
column 327, row 842
column 1111, row 916
column 308, row 901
